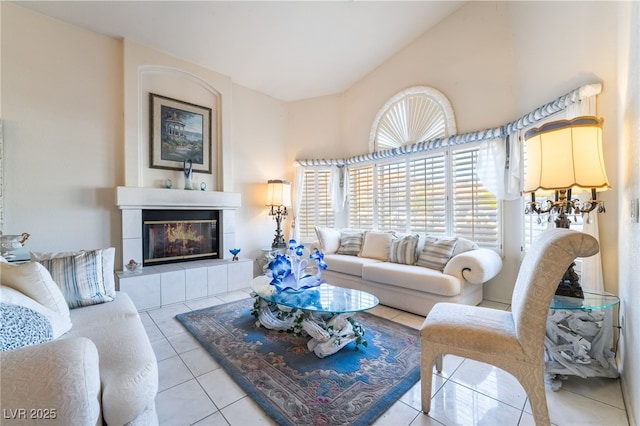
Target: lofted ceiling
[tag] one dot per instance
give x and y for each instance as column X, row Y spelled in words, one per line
column 289, row 50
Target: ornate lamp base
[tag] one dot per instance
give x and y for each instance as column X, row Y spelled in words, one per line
column 278, row 214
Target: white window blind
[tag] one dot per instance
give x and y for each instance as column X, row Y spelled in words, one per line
column 436, row 193
column 392, row 196
column 315, row 207
column 428, row 198
column 361, row 197
column 475, row 209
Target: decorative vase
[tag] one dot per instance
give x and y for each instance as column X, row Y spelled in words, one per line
column 9, row 243
column 188, row 174
column 288, row 271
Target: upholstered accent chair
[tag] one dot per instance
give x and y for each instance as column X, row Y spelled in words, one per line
column 512, row 341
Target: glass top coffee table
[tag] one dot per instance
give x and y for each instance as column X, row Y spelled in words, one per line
column 324, row 312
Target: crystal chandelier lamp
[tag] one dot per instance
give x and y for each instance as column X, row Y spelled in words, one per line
column 278, row 199
column 565, row 157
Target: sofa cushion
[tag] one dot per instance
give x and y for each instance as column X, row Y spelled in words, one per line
column 463, row 245
column 128, row 367
column 79, row 277
column 412, row 277
column 329, row 239
column 376, row 245
column 404, row 249
column 346, row 264
column 22, row 326
column 436, row 252
column 108, row 265
column 350, row 242
column 60, row 324
column 34, row 280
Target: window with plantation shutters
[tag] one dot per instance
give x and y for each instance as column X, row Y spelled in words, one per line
column 432, row 193
column 315, row 206
column 475, row 209
column 392, row 211
column 428, row 198
column 361, row 197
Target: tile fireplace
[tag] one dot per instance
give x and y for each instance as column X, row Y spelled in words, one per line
column 182, row 260
column 180, row 225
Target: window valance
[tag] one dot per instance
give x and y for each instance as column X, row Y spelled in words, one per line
column 511, row 128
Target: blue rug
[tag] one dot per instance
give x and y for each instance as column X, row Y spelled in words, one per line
column 291, row 384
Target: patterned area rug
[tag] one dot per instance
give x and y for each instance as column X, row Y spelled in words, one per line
column 291, row 384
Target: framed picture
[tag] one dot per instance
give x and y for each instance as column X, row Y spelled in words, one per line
column 180, row 131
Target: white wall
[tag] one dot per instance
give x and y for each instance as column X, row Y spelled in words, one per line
column 62, row 109
column 259, row 128
column 628, row 120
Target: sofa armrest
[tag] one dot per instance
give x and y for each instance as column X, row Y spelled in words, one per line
column 56, row 382
column 475, row 266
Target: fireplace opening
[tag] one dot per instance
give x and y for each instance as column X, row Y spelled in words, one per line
column 171, row 236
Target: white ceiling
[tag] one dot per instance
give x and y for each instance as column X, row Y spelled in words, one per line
column 289, row 50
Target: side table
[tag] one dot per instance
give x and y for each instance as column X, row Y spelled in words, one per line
column 579, row 338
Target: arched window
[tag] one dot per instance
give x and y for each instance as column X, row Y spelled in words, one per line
column 415, row 114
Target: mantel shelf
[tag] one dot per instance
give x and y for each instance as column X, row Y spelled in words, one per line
column 157, row 198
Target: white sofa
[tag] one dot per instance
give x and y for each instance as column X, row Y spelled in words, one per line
column 96, row 365
column 398, row 280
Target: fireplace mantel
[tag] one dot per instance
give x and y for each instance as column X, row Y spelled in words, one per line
column 161, row 198
column 132, row 200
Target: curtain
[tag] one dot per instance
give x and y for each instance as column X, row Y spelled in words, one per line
column 499, row 166
column 337, row 188
column 592, row 279
column 298, row 189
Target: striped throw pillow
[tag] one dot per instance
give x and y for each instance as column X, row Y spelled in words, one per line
column 79, row 278
column 404, row 249
column 350, row 242
column 436, row 252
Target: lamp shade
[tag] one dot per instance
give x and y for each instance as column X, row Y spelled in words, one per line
column 566, row 154
column 278, row 193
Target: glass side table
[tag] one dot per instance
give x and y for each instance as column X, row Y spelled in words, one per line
column 579, row 338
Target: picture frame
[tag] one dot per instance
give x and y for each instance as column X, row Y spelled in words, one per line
column 179, row 131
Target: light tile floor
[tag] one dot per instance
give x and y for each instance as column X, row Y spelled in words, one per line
column 194, row 390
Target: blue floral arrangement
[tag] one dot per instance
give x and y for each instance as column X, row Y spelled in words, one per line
column 288, row 271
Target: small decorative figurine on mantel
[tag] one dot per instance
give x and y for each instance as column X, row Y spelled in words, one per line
column 188, row 174
column 234, row 252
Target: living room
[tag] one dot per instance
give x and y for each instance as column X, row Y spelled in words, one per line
column 75, row 125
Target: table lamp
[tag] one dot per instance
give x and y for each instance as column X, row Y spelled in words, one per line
column 278, row 199
column 565, row 156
